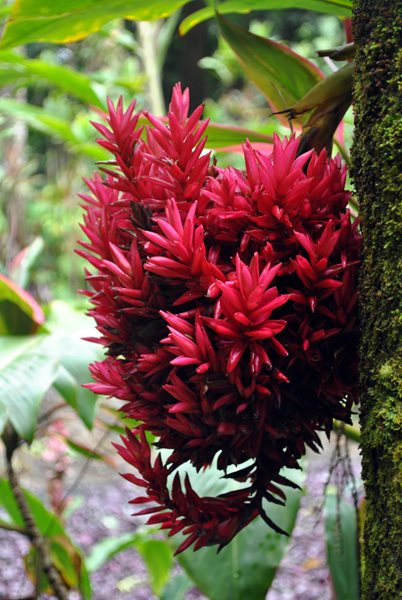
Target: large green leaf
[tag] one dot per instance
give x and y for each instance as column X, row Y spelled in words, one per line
column 27, row 370
column 19, row 312
column 341, row 541
column 68, row 326
column 246, row 567
column 280, row 74
column 29, row 365
column 71, row 20
column 339, row 8
column 64, row 554
column 66, row 79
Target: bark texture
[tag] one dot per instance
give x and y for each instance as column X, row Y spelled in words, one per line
column 377, row 162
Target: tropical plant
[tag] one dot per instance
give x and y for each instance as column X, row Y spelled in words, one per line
column 297, row 90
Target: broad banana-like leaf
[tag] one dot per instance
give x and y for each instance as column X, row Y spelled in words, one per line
column 246, row 567
column 64, row 21
column 27, row 370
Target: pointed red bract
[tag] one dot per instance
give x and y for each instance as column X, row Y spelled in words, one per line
column 226, row 301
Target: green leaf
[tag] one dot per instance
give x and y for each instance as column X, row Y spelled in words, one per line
column 5, row 10
column 158, row 557
column 19, row 312
column 70, row 20
column 177, row 587
column 338, row 8
column 27, row 370
column 57, row 128
column 22, row 264
column 39, row 119
column 68, row 326
column 341, row 541
column 88, row 452
column 64, row 554
column 230, row 137
column 107, row 548
column 67, row 386
column 69, row 81
column 279, row 73
column 47, row 522
column 246, row 567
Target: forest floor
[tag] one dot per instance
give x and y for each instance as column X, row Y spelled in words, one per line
column 101, row 509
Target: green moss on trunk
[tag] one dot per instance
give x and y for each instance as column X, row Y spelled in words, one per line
column 377, row 161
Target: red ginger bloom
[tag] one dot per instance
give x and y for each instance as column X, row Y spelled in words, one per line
column 227, row 305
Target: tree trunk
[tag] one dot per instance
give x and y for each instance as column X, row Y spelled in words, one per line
column 377, row 159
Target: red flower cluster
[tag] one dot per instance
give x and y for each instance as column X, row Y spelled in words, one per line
column 226, row 301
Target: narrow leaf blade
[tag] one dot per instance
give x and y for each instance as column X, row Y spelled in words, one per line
column 341, row 542
column 279, row 73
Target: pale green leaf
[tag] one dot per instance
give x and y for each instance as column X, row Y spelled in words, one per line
column 27, row 370
column 70, row 20
column 69, row 81
column 68, row 326
column 158, row 557
column 39, row 119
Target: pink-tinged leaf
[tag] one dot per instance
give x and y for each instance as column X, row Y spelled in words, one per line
column 279, row 73
column 19, row 312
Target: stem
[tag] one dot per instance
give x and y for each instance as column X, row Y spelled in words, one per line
column 351, row 432
column 15, row 528
column 148, row 35
column 37, row 540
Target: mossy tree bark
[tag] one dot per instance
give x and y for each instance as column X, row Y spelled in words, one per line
column 377, row 161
